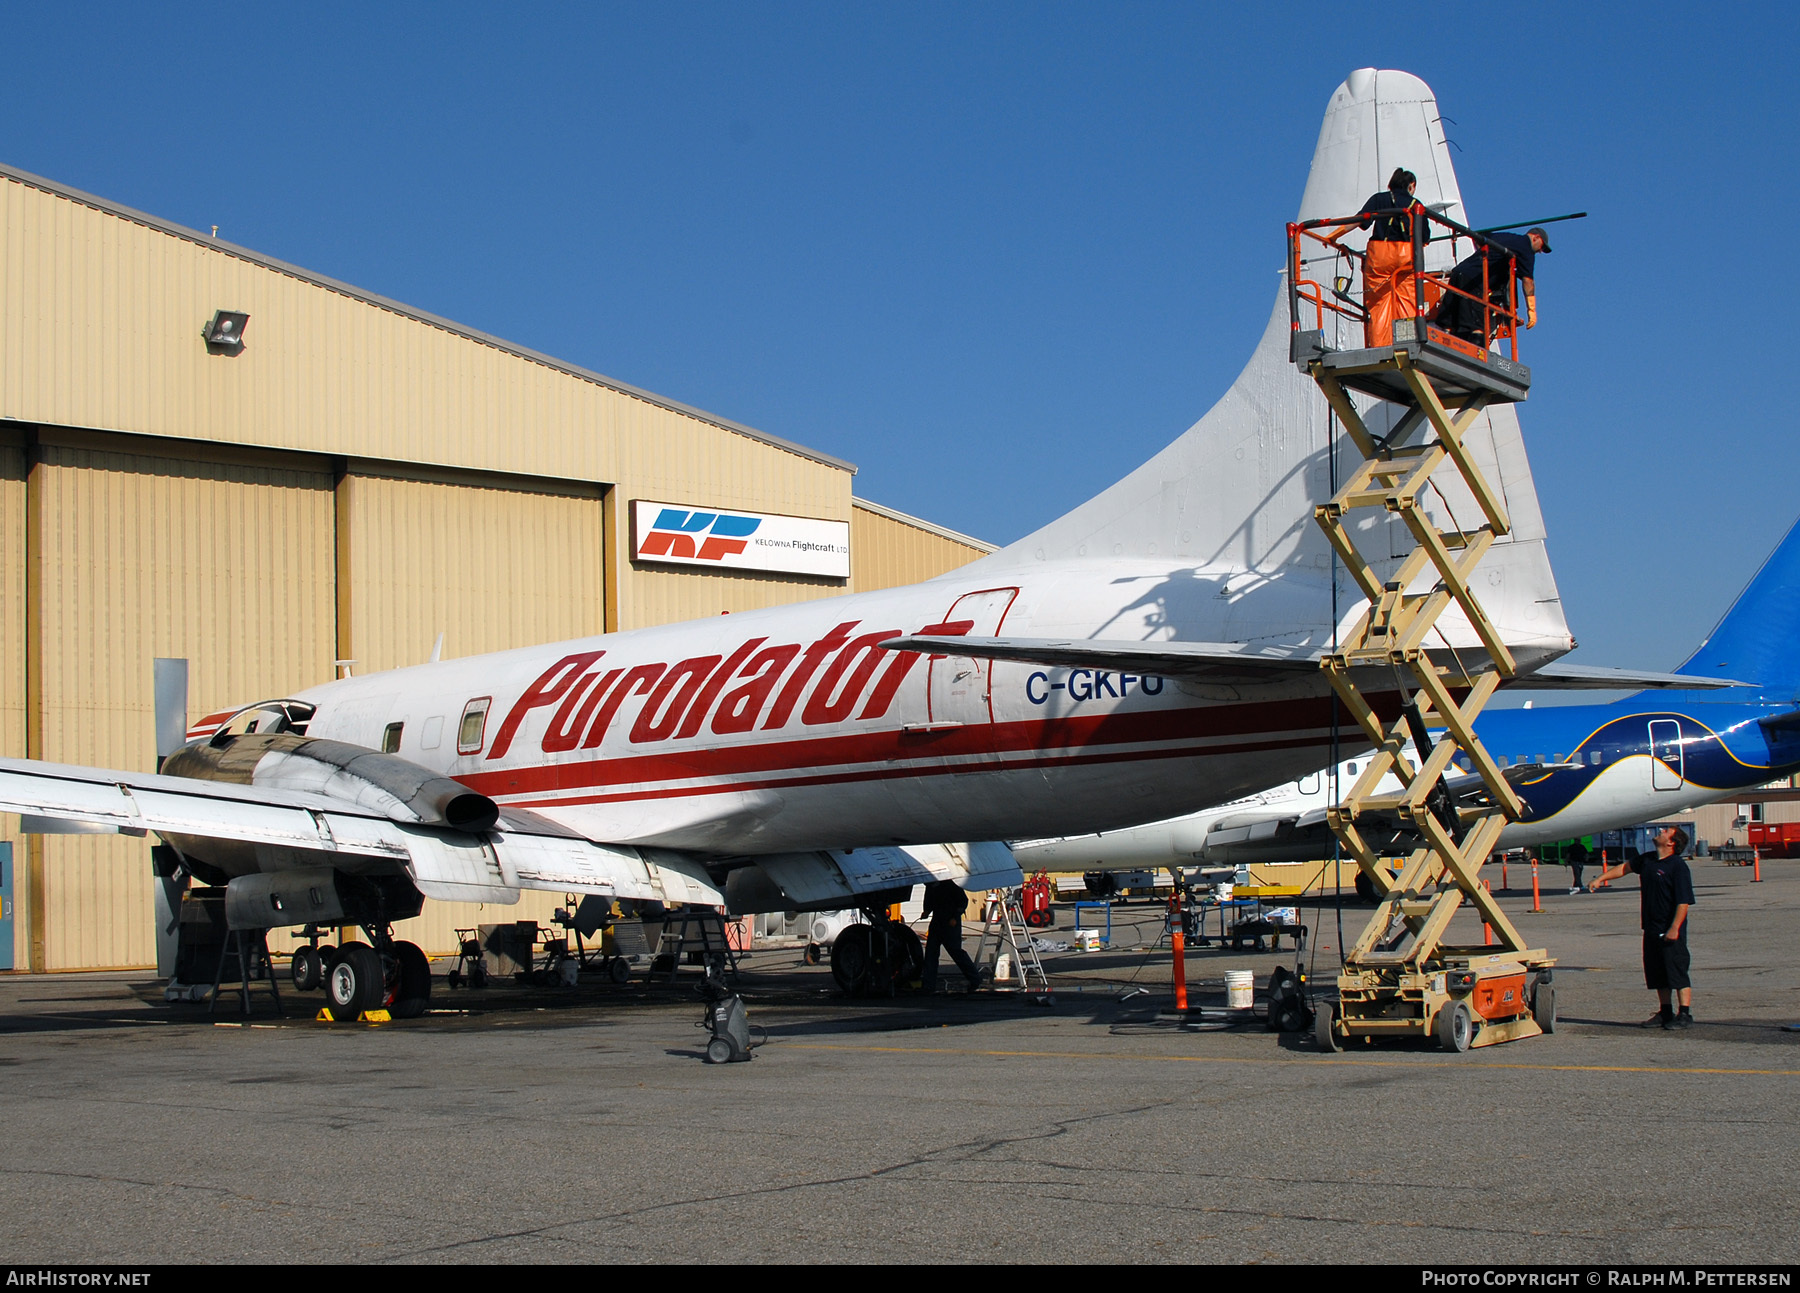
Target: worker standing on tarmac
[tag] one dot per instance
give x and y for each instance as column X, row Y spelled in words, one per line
column 1668, row 894
column 945, row 903
column 1389, row 292
column 1461, row 314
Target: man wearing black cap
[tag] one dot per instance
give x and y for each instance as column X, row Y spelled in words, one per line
column 1667, row 897
column 1461, row 313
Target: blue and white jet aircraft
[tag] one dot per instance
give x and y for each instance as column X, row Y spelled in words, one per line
column 1579, row 768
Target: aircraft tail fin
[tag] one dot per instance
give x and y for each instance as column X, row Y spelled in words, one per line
column 1236, row 492
column 1759, row 637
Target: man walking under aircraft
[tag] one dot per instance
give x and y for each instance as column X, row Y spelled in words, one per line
column 945, row 903
column 1666, row 892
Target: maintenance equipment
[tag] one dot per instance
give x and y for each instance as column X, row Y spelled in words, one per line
column 1402, row 979
column 1014, row 950
column 727, row 1021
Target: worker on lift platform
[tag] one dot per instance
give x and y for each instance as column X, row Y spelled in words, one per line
column 1388, row 290
column 1462, row 315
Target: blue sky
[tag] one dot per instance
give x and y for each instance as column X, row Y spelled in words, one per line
column 997, row 255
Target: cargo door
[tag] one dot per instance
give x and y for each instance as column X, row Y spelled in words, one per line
column 958, row 688
column 1665, row 754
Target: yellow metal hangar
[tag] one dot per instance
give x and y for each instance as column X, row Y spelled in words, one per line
column 207, row 453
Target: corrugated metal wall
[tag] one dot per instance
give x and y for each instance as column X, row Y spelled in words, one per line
column 102, row 320
column 490, row 567
column 886, row 552
column 12, row 653
column 140, row 555
column 353, row 482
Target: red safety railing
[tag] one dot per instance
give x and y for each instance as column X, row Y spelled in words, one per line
column 1497, row 301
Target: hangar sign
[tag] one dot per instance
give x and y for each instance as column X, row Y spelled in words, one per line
column 685, row 535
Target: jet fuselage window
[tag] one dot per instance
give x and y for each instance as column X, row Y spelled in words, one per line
column 1593, row 756
column 390, row 738
column 471, row 731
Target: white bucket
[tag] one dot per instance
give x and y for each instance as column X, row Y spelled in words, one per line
column 1003, row 968
column 1240, row 989
column 1223, row 892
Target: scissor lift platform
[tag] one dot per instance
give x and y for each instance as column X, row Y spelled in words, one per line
column 1403, row 978
column 1459, row 371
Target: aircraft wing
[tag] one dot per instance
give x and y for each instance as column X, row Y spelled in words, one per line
column 524, row 850
column 1235, row 662
column 1587, row 677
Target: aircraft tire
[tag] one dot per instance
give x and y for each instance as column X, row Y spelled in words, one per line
column 906, row 953
column 354, row 982
column 305, row 969
column 413, row 996
column 851, row 954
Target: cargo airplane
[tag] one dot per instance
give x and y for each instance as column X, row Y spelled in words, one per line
column 1151, row 652
column 1580, row 769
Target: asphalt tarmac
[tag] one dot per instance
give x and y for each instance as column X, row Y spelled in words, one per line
column 520, row 1125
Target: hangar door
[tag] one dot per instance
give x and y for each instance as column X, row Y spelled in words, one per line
column 492, row 563
column 226, row 560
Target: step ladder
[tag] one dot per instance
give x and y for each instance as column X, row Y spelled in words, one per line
column 1402, row 978
column 694, row 929
column 1004, row 924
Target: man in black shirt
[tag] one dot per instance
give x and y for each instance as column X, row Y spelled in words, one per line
column 1665, row 892
column 1460, row 313
column 1388, row 290
column 945, row 903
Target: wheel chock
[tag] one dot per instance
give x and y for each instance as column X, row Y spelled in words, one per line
column 374, row 1017
column 324, row 1016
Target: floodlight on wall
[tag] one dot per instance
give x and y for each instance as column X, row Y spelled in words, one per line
column 225, row 334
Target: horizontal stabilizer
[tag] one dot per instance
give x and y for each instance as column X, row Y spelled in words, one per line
column 1583, row 677
column 1213, row 661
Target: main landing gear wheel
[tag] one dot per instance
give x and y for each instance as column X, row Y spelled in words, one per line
column 1325, row 1029
column 851, row 952
column 413, row 997
column 354, row 982
column 305, row 969
column 1455, row 1027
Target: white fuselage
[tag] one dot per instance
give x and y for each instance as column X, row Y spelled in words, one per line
column 789, row 728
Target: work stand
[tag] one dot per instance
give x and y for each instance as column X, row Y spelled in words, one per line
column 694, row 929
column 247, row 953
column 1402, row 978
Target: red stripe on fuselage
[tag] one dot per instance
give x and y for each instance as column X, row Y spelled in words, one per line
column 990, row 740
column 889, row 774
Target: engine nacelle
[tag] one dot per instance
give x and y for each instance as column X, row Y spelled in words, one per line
column 317, row 896
column 386, row 784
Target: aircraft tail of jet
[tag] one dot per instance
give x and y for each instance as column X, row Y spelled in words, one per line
column 1237, row 490
column 1758, row 639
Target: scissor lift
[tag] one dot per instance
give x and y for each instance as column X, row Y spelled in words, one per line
column 1402, row 978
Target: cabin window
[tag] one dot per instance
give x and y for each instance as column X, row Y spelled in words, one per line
column 472, row 729
column 390, row 738
column 1350, row 769
column 1594, row 756
column 433, row 735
